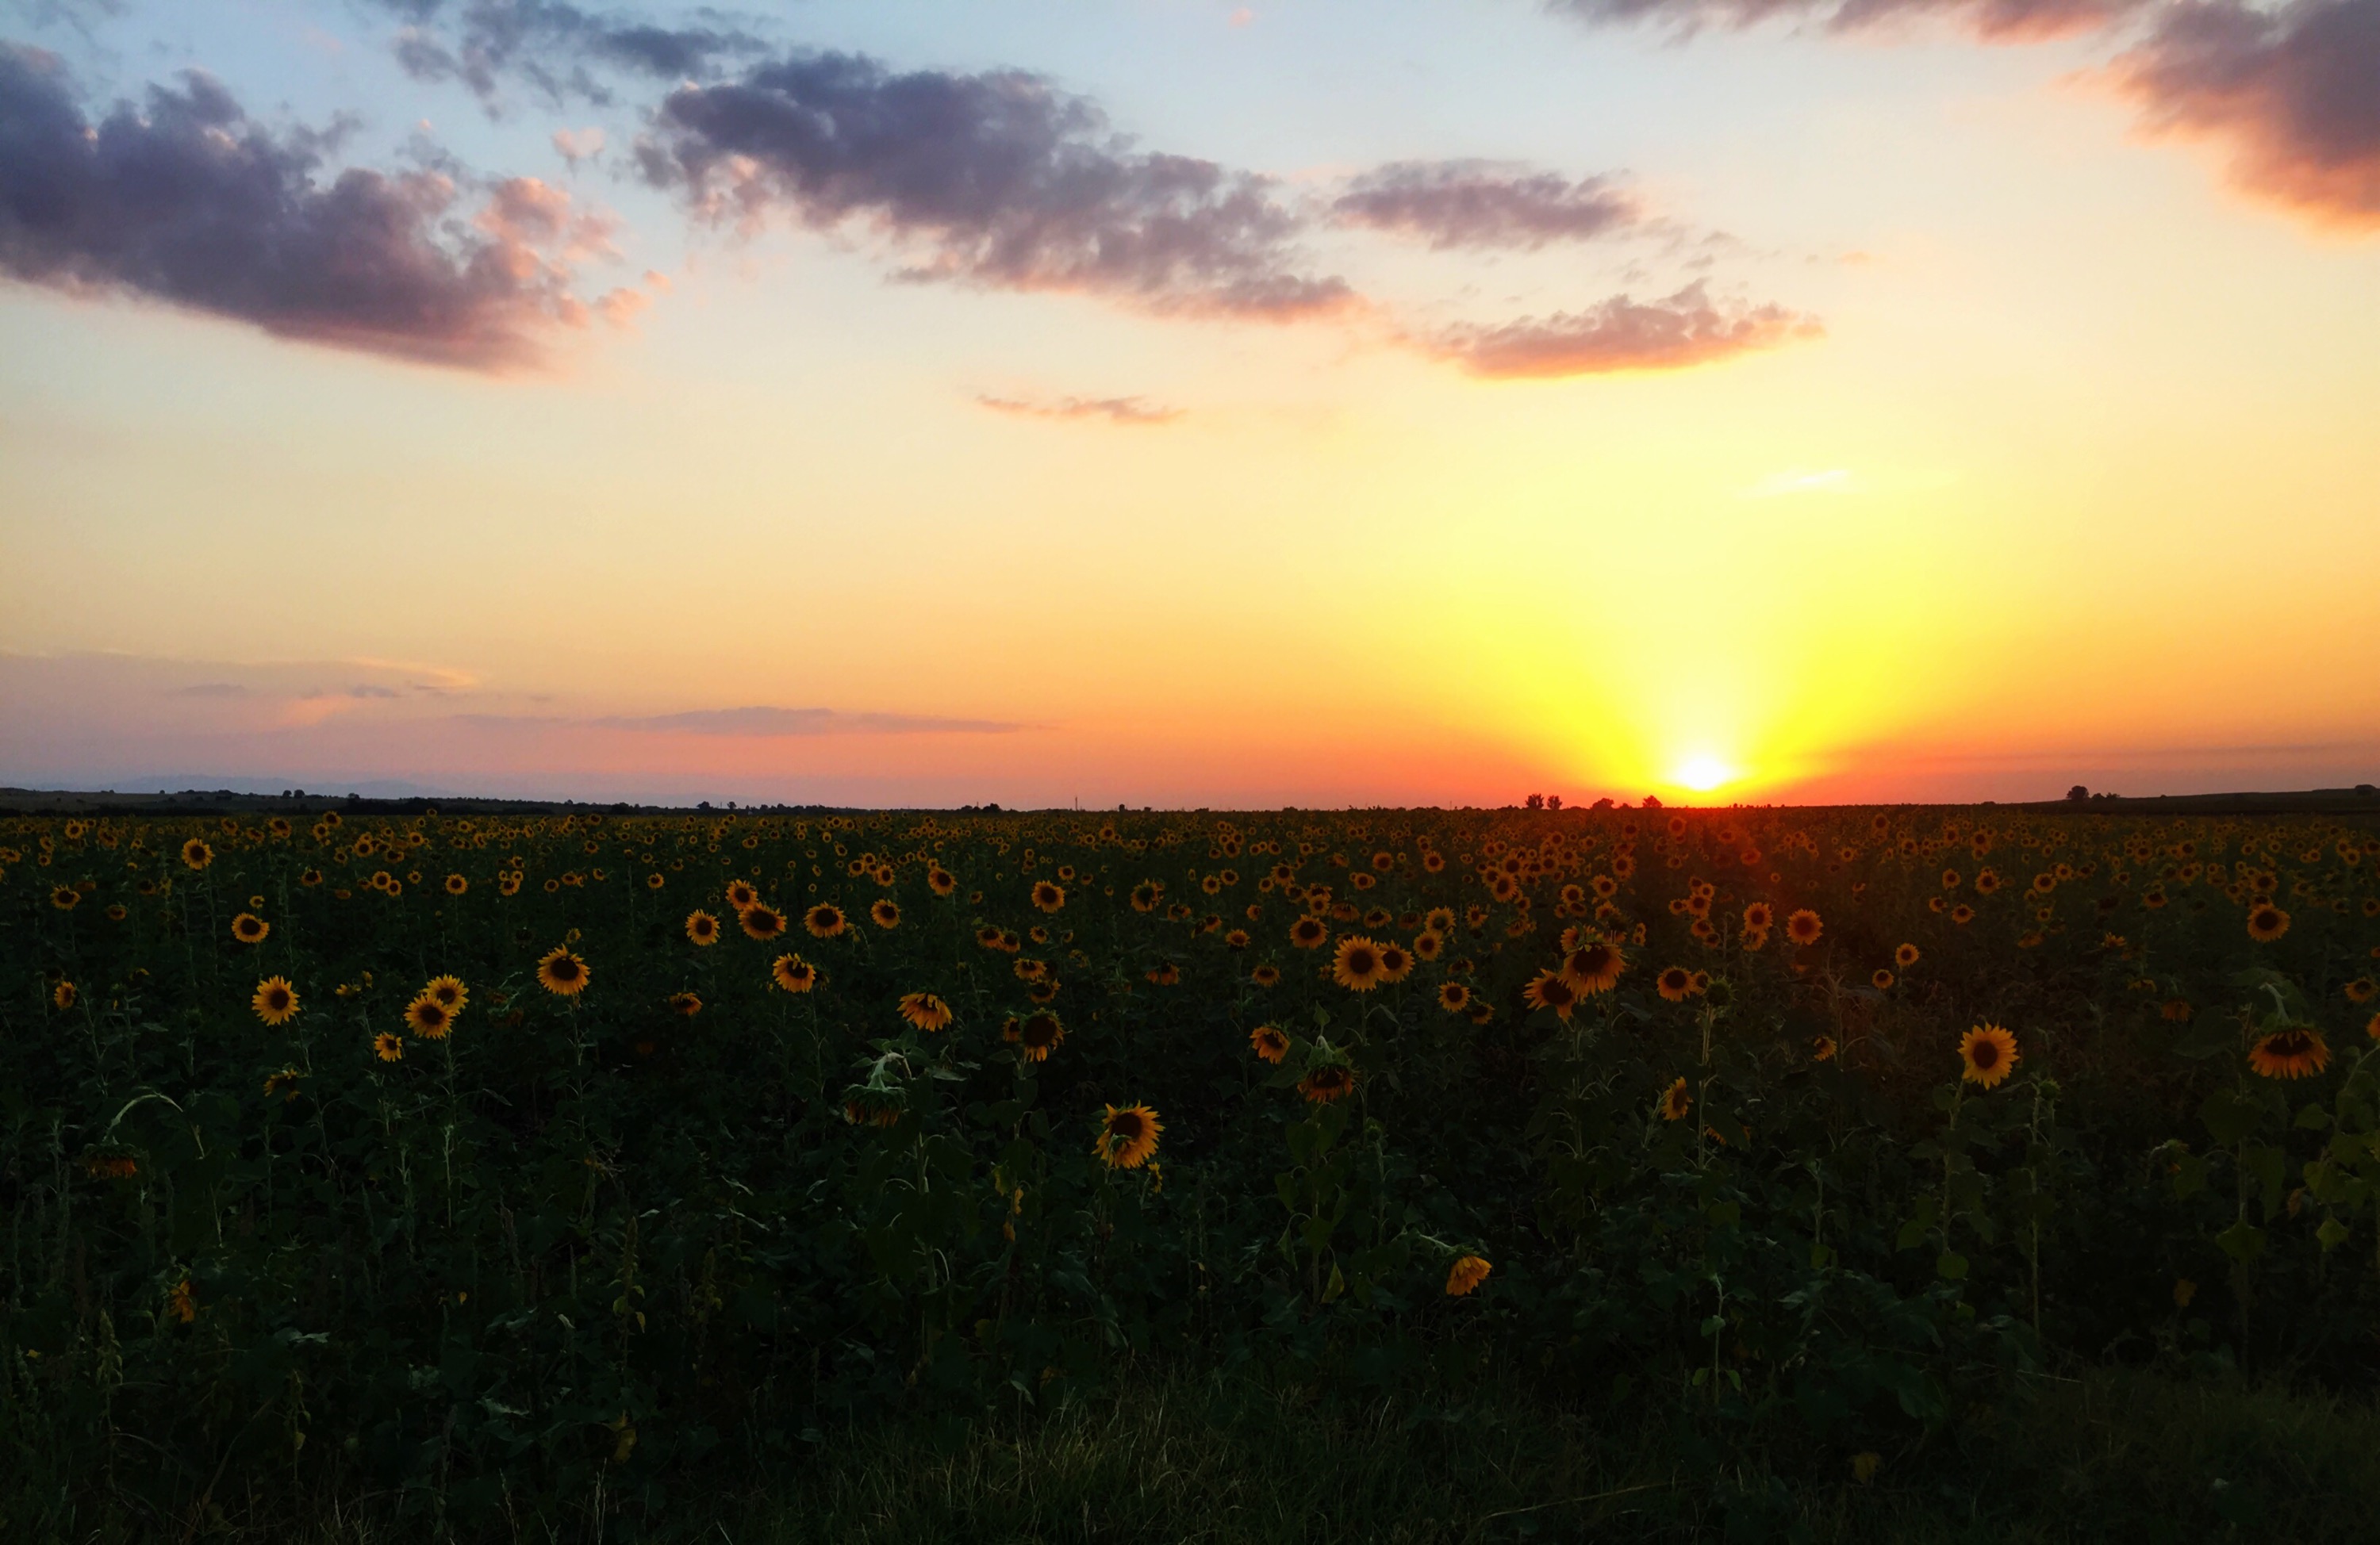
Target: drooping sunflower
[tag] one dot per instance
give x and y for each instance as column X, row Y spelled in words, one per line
column 248, row 928
column 825, row 921
column 1332, row 1081
column 685, row 1005
column 284, row 1083
column 1038, row 1035
column 2266, row 923
column 1453, row 997
column 742, row 894
column 1467, row 1272
column 562, row 973
column 885, row 913
column 1676, row 1103
column 1803, row 927
column 1822, row 1048
column 1049, row 896
column 1266, row 976
column 1987, row 1055
column 1309, row 932
column 1550, row 989
column 1127, row 1136
column 275, row 1001
column 1676, row 984
column 1268, row 1043
column 196, row 854
column 63, row 995
column 388, row 1046
column 1905, row 957
column 925, row 1010
column 762, row 922
column 794, row 973
column 702, row 928
column 2298, row 1052
column 1357, row 965
column 1593, row 967
column 429, row 1018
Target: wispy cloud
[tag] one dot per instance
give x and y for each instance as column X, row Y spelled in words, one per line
column 1115, row 410
column 1673, row 332
column 803, row 721
column 1483, row 204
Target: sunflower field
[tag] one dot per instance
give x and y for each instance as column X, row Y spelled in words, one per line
column 486, row 1159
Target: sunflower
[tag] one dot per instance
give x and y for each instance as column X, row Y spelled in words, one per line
column 562, row 973
column 449, row 992
column 1550, row 989
column 2371, row 1027
column 1803, row 927
column 388, row 1047
column 1145, row 895
column 654, row 881
column 762, row 922
column 742, row 894
column 1882, row 980
column 1127, row 1136
column 1593, row 967
column 1048, row 895
column 1237, row 940
column 1676, row 1103
column 1266, row 976
column 457, row 885
column 66, row 898
column 1396, row 963
column 701, row 928
column 429, row 1018
column 284, row 1083
column 1042, row 991
column 1465, row 1275
column 1332, row 1081
column 925, row 1010
column 1823, row 1048
column 1039, row 1035
column 1309, row 932
column 1905, row 957
column 941, row 881
column 2267, row 923
column 196, row 854
column 1439, row 920
column 275, row 1001
column 248, row 928
column 1359, row 966
column 2295, row 1053
column 1268, row 1043
column 1677, row 983
column 794, row 973
column 2361, row 989
column 825, row 921
column 885, row 913
column 1453, row 997
column 685, row 1005
column 1988, row 1055
column 64, row 995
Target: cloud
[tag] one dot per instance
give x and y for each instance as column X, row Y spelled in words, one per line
column 2295, row 92
column 1673, row 332
column 1116, row 410
column 1997, row 21
column 804, row 721
column 187, row 201
column 552, row 46
column 1483, row 203
column 999, row 180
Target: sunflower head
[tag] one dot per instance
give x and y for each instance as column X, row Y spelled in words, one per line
column 275, row 1001
column 925, row 1010
column 1327, row 1082
column 1127, row 1136
column 1987, row 1055
column 448, row 992
column 1550, row 989
column 1882, row 978
column 1822, row 1048
column 562, row 972
column 1453, row 997
column 885, row 913
column 1905, row 957
column 388, row 1047
column 1593, row 966
column 685, row 1005
column 1268, row 1043
column 2266, row 923
column 762, row 922
column 1676, row 1103
column 1803, row 927
column 794, row 974
column 825, row 921
column 1265, row 975
column 248, row 928
column 1467, row 1272
column 1358, row 965
column 701, row 928
column 429, row 1018
column 1310, row 932
column 64, row 995
column 457, row 885
column 1676, row 984
column 196, row 854
column 1146, row 896
column 2296, row 1052
column 1048, row 895
column 742, row 894
column 1038, row 1034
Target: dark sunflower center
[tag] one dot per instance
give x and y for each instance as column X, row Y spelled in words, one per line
column 1125, row 1125
column 1987, row 1055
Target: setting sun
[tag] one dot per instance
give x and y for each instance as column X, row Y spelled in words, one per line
column 1703, row 773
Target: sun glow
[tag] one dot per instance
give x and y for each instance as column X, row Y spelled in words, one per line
column 1703, row 773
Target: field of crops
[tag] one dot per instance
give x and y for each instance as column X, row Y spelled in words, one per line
column 556, row 1168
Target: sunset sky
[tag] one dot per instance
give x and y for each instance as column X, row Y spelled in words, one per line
column 1178, row 403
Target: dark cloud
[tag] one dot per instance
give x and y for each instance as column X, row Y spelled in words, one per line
column 2000, row 20
column 2295, row 92
column 1116, row 410
column 554, row 47
column 187, row 201
column 996, row 179
column 805, row 721
column 1670, row 333
column 1483, row 203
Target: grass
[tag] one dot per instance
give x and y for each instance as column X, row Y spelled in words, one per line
column 1221, row 1460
